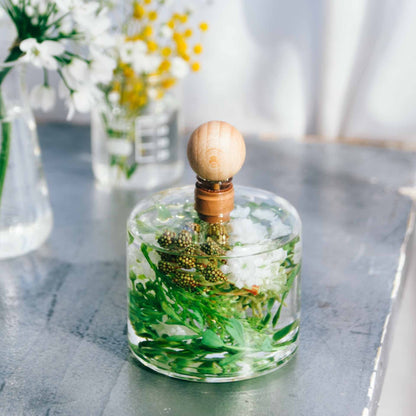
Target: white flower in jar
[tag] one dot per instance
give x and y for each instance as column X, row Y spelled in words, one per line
column 132, row 51
column 179, row 68
column 76, row 72
column 240, row 212
column 245, row 231
column 166, row 32
column 43, row 97
column 41, row 54
column 101, row 68
column 263, row 271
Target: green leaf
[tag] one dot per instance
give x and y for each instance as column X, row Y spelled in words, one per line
column 130, row 237
column 270, row 303
column 235, row 329
column 289, row 342
column 180, row 337
column 181, row 363
column 289, row 284
column 210, row 368
column 284, row 331
column 230, row 358
column 169, row 310
column 266, row 345
column 131, row 169
column 266, row 319
column 198, row 317
column 211, row 339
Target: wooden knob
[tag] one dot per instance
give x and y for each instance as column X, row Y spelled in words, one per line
column 216, row 151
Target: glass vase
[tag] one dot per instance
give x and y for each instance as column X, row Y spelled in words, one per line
column 25, row 211
column 213, row 302
column 136, row 152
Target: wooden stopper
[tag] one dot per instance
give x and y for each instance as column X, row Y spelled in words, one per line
column 216, row 152
column 214, row 206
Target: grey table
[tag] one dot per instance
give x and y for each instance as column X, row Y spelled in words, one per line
column 63, row 348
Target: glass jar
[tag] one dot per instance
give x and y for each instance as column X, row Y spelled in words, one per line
column 25, row 211
column 136, row 152
column 213, row 302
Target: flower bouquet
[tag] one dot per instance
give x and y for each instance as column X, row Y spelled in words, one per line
column 134, row 131
column 48, row 35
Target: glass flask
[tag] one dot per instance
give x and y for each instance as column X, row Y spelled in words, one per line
column 139, row 152
column 25, row 212
column 213, row 292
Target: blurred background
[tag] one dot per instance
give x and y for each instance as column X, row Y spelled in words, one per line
column 289, row 68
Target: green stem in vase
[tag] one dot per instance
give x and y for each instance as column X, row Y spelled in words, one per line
column 6, row 126
column 6, row 129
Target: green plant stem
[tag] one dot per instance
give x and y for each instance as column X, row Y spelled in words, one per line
column 6, row 126
column 6, row 129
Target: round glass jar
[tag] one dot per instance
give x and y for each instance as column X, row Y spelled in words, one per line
column 213, row 302
column 136, row 152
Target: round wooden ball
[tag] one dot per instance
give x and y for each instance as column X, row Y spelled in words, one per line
column 216, row 151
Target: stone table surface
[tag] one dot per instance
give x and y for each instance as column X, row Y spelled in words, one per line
column 63, row 346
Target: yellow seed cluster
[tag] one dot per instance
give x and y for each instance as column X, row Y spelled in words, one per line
column 167, row 39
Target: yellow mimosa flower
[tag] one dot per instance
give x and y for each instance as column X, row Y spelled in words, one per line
column 152, row 46
column 147, row 31
column 183, row 18
column 182, row 47
column 203, row 26
column 177, row 37
column 195, row 66
column 164, row 66
column 138, row 10
column 135, row 37
column 166, row 51
column 168, row 83
column 181, row 44
column 171, row 24
column 152, row 15
column 198, row 48
column 128, row 72
column 187, row 33
column 147, row 1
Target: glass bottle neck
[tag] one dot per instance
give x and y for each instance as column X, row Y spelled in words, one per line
column 216, row 186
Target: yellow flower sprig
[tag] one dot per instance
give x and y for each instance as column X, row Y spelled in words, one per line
column 169, row 52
